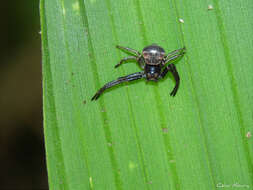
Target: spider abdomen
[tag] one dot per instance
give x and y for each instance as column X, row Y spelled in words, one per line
column 152, row 72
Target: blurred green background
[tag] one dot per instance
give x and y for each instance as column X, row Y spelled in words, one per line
column 21, row 137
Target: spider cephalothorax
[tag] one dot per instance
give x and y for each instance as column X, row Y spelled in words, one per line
column 153, row 62
column 153, row 55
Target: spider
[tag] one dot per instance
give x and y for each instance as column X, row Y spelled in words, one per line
column 153, row 62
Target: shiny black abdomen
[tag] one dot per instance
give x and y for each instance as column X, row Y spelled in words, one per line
column 152, row 72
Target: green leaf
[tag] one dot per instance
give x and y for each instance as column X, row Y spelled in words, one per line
column 135, row 136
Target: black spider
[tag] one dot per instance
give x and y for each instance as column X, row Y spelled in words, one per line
column 153, row 61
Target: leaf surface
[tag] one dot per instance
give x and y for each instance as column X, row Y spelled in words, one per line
column 135, row 136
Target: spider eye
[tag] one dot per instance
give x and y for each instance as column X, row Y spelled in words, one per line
column 145, row 55
column 161, row 56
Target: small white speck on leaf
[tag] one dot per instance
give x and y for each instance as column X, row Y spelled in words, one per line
column 165, row 130
column 248, row 135
column 210, row 7
column 181, row 20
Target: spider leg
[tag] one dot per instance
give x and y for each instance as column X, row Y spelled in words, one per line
column 126, row 59
column 172, row 58
column 173, row 70
column 130, row 50
column 131, row 77
column 139, row 60
column 181, row 51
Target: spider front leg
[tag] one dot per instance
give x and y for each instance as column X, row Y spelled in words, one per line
column 126, row 59
column 172, row 58
column 137, row 57
column 131, row 77
column 129, row 50
column 139, row 60
column 173, row 70
column 181, row 51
